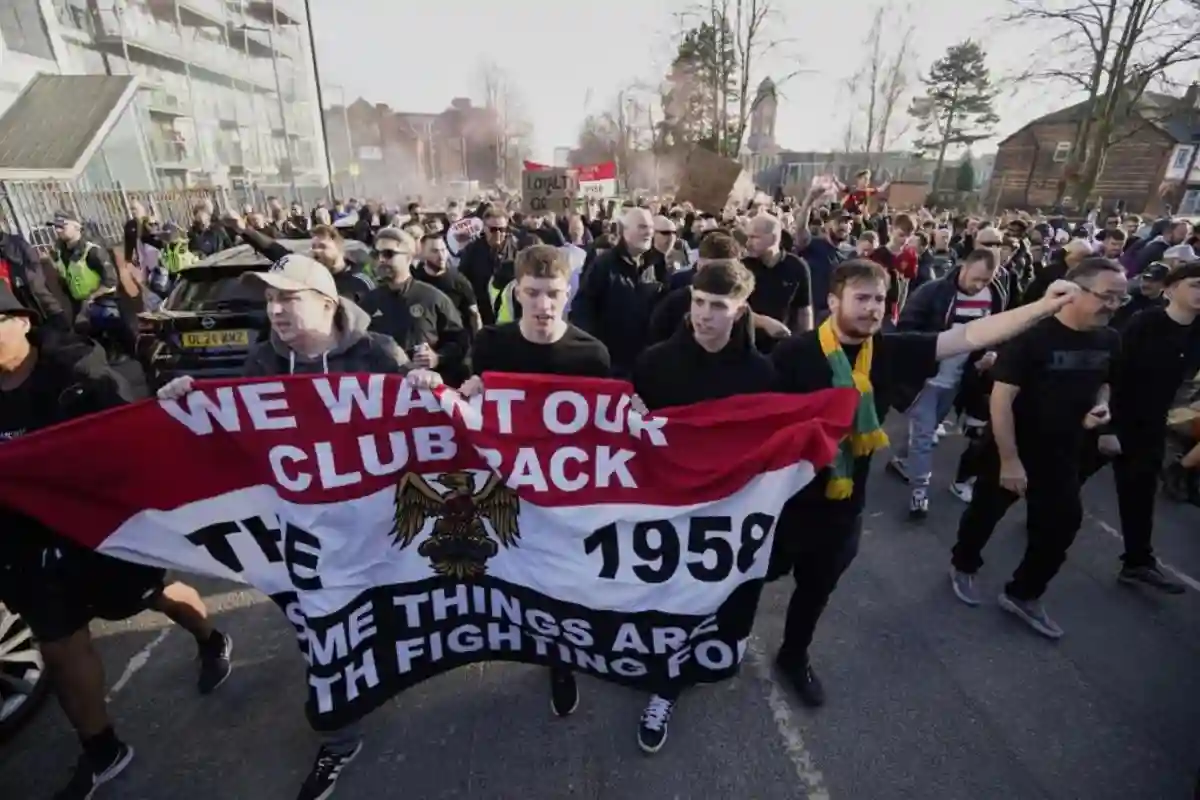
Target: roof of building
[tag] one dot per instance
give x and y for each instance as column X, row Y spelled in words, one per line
column 58, row 123
column 1174, row 116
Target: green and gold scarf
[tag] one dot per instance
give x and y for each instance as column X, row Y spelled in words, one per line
column 867, row 436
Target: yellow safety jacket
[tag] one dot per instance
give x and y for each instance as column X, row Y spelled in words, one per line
column 503, row 302
column 82, row 281
column 177, row 256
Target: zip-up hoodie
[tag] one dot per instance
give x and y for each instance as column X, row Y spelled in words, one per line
column 356, row 350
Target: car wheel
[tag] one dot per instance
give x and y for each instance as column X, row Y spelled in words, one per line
column 24, row 682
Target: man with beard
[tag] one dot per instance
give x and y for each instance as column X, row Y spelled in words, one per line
column 415, row 314
column 619, row 291
column 539, row 342
column 1160, row 349
column 433, row 268
column 1051, row 387
column 819, row 530
column 328, row 249
column 488, row 261
column 823, row 254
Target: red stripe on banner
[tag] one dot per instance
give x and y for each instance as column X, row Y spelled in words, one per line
column 559, row 442
column 604, row 171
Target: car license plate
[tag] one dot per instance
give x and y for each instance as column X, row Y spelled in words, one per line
column 214, row 339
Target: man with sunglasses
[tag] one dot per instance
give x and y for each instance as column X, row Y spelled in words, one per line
column 489, row 260
column 1051, row 388
column 422, row 320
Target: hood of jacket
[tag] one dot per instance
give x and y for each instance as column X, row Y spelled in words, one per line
column 350, row 325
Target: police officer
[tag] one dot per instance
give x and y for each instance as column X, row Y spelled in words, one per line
column 422, row 320
column 84, row 267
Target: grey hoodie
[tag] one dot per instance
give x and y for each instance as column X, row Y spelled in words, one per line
column 357, row 350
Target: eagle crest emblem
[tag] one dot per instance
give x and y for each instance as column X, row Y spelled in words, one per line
column 469, row 525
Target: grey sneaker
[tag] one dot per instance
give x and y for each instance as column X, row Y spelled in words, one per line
column 1151, row 576
column 918, row 504
column 1033, row 614
column 897, row 467
column 963, row 584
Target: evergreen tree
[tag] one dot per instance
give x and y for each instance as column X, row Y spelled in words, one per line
column 965, row 180
column 957, row 106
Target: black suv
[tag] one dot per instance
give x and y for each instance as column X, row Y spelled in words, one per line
column 211, row 318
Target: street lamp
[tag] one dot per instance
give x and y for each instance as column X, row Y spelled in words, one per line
column 287, row 137
column 349, row 140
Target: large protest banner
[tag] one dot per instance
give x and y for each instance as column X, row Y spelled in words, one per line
column 405, row 533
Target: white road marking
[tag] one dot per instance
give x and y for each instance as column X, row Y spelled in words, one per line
column 811, row 779
column 139, row 660
column 1182, row 577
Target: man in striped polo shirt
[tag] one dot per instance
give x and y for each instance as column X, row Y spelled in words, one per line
column 968, row 292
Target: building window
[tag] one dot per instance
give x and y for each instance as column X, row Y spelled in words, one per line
column 1189, row 206
column 1062, row 151
column 1183, row 154
column 22, row 29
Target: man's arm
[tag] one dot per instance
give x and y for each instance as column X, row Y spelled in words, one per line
column 985, row 333
column 802, row 310
column 452, row 339
column 270, row 248
column 1004, row 429
column 584, row 308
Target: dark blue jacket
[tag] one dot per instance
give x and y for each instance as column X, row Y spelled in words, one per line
column 822, row 257
column 616, row 296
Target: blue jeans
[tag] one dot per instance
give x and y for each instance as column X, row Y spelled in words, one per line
column 924, row 416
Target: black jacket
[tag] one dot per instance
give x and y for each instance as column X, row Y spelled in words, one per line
column 680, row 372
column 420, row 314
column 479, row 262
column 616, row 296
column 34, row 283
column 72, row 379
column 209, row 241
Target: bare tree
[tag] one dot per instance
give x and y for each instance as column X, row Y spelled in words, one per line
column 1118, row 53
column 879, row 85
column 744, row 28
column 512, row 132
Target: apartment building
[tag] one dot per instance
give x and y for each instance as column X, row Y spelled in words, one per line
column 227, row 93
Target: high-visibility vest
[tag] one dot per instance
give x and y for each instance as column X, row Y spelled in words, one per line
column 177, row 256
column 503, row 302
column 82, row 281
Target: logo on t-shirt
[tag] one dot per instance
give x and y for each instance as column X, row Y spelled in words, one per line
column 6, row 275
column 7, row 436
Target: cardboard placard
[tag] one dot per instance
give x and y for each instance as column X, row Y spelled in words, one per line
column 549, row 191
column 710, row 182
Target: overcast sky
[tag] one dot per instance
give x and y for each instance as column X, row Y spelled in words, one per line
column 568, row 58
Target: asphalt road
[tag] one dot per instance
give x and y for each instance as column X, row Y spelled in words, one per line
column 928, row 698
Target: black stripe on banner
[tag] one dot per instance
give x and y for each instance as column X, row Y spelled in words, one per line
column 393, row 637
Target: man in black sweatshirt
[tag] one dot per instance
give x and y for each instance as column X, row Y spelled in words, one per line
column 1160, row 349
column 709, row 357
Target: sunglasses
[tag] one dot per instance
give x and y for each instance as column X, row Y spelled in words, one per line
column 500, row 229
column 390, row 254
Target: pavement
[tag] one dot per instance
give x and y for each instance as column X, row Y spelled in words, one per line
column 927, row 698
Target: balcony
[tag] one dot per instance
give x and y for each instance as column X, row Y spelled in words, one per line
column 281, row 12
column 164, row 104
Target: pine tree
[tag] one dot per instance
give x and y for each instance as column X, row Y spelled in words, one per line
column 957, row 106
column 965, row 180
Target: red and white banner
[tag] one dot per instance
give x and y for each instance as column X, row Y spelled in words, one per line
column 595, row 180
column 406, row 533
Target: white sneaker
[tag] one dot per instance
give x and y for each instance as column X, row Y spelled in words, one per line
column 963, row 491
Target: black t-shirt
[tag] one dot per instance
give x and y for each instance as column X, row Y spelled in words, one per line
column 454, row 285
column 898, row 359
column 1157, row 356
column 1059, row 371
column 780, row 290
column 502, row 348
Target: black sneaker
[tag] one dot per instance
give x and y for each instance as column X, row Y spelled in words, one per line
column 918, row 504
column 564, row 694
column 88, row 777
column 652, row 732
column 1151, row 576
column 215, row 665
column 326, row 770
column 804, row 681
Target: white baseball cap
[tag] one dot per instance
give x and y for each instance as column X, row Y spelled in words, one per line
column 296, row 273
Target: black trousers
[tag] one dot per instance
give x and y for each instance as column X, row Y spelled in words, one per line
column 816, row 552
column 1054, row 514
column 1136, row 470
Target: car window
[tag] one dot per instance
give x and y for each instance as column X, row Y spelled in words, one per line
column 208, row 289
